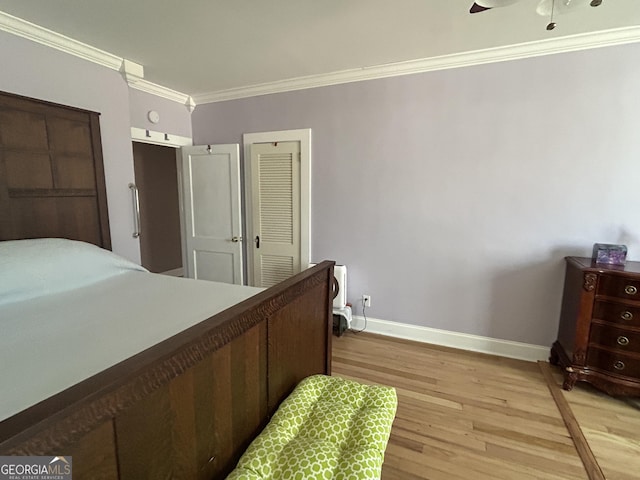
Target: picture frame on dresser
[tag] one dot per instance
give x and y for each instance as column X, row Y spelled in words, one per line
column 599, row 331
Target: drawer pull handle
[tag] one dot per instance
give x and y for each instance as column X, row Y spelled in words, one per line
column 626, row 315
column 624, row 341
column 619, row 365
column 630, row 290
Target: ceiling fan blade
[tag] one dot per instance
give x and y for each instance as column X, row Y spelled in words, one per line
column 484, row 5
column 475, row 8
column 495, row 3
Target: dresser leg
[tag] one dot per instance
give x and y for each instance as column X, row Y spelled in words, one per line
column 553, row 357
column 570, row 379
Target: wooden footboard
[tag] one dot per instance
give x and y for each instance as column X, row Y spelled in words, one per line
column 189, row 406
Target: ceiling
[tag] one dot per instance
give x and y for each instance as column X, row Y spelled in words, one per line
column 205, row 46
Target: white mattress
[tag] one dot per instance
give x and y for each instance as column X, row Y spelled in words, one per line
column 49, row 343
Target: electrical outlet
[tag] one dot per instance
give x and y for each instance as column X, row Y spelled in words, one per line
column 366, row 301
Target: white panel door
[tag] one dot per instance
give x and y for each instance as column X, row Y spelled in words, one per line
column 275, row 178
column 211, row 192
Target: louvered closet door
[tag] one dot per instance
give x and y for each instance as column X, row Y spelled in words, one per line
column 275, row 177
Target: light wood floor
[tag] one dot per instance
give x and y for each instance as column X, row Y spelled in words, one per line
column 463, row 415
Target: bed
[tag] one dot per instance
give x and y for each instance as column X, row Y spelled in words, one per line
column 138, row 375
column 113, row 371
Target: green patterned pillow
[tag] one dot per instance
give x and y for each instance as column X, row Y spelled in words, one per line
column 328, row 428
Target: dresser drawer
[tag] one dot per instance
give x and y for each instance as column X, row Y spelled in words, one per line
column 618, row 286
column 613, row 362
column 616, row 338
column 617, row 313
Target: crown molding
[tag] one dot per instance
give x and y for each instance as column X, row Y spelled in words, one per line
column 44, row 36
column 160, row 91
column 457, row 60
column 132, row 72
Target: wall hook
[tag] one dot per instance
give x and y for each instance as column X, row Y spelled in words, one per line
column 208, row 148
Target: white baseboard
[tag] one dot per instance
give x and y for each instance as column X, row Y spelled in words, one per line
column 463, row 341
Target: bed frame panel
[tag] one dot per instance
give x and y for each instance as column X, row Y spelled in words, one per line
column 189, row 406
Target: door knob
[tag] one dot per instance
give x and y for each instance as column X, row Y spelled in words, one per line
column 236, row 239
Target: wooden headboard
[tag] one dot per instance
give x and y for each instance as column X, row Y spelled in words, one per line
column 51, row 172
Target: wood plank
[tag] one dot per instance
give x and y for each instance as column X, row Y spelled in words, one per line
column 95, row 456
column 239, row 398
column 144, row 434
column 291, row 358
column 594, row 471
column 611, row 427
column 184, row 440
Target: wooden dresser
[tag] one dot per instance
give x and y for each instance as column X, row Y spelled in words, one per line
column 599, row 333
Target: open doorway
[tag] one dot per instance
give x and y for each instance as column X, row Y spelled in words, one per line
column 157, row 181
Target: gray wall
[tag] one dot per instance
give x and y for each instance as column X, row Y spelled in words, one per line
column 33, row 70
column 453, row 196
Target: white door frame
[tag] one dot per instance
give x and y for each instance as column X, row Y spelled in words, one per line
column 303, row 136
column 175, row 141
